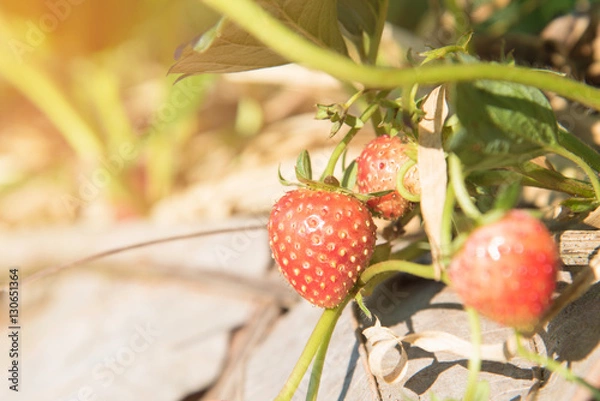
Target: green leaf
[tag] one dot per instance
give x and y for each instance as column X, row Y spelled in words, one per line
column 282, row 179
column 502, row 123
column 353, row 121
column 228, row 48
column 349, row 177
column 303, row 166
column 580, row 205
column 359, row 18
column 326, row 111
column 508, row 196
column 335, row 128
column 379, row 194
column 525, row 16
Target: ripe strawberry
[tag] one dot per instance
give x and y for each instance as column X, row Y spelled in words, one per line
column 507, row 270
column 321, row 241
column 377, row 168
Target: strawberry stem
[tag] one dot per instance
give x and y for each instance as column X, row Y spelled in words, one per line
column 338, row 151
column 402, row 190
column 555, row 367
column 346, row 106
column 341, row 147
column 447, row 214
column 409, row 104
column 458, row 184
column 322, row 330
column 416, row 269
column 375, row 39
column 376, row 117
column 317, row 368
column 475, row 359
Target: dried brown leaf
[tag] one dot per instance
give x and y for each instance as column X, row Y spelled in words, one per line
column 432, row 170
column 387, row 358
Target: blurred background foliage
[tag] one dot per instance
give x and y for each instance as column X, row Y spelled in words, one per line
column 93, row 127
column 83, row 79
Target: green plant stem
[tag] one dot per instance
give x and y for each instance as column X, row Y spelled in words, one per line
column 295, row 48
column 555, row 367
column 338, row 152
column 343, row 144
column 475, row 359
column 323, row 328
column 376, row 117
column 409, row 106
column 402, row 190
column 448, row 212
column 575, row 145
column 458, row 184
column 416, row 269
column 317, row 368
column 376, row 38
column 592, row 175
column 353, row 99
column 410, row 252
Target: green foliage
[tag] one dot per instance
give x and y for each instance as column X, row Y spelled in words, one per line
column 502, row 123
column 359, row 19
column 408, row 14
column 526, row 16
column 228, row 48
column 579, row 205
column 303, row 166
column 349, row 178
column 507, row 196
column 502, row 120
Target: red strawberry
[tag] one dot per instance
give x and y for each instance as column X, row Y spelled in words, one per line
column 377, row 168
column 507, row 270
column 321, row 241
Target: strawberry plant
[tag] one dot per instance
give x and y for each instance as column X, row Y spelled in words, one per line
column 455, row 157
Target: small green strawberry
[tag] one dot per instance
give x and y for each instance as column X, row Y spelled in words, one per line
column 321, row 241
column 507, row 270
column 377, row 170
